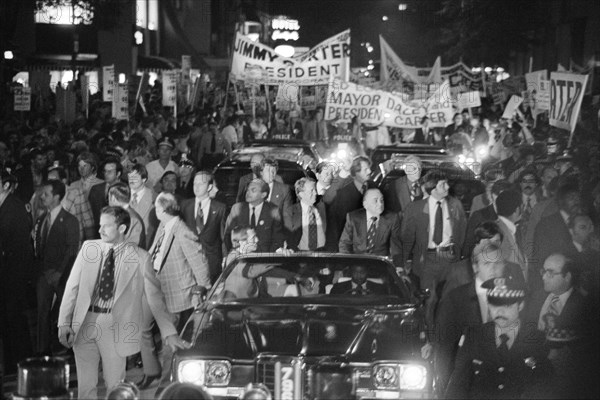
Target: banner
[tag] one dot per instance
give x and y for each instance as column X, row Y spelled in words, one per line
column 22, row 99
column 108, row 82
column 346, row 100
column 120, row 106
column 533, row 80
column 169, row 88
column 511, row 106
column 393, row 68
column 468, row 100
column 329, row 59
column 566, row 93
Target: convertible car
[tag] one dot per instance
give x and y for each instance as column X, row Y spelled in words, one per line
column 308, row 326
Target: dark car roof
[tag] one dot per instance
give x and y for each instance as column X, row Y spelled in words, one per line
column 428, row 154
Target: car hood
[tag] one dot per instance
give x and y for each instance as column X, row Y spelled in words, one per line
column 347, row 332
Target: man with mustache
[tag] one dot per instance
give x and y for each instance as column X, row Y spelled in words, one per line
column 503, row 358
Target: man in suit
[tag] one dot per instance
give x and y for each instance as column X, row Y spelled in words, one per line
column 261, row 215
column 505, row 357
column 358, row 285
column 255, row 164
column 206, row 218
column 490, row 177
column 56, row 240
column 102, row 307
column 407, row 188
column 508, row 205
column 324, row 173
column 308, row 223
column 487, row 213
column 552, row 232
column 119, row 195
column 182, row 270
column 279, row 193
column 371, row 230
column 16, row 256
column 433, row 232
column 464, row 308
column 98, row 197
column 142, row 200
column 348, row 198
column 212, row 148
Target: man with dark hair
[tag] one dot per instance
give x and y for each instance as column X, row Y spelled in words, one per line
column 98, row 198
column 56, row 241
column 348, row 198
column 31, row 175
column 490, row 177
column 308, row 223
column 206, row 218
column 16, row 256
column 505, row 357
column 87, row 165
column 119, row 195
column 142, row 200
column 508, row 205
column 261, row 215
column 433, row 231
column 101, row 311
column 279, row 193
column 256, row 161
column 359, row 285
column 552, row 232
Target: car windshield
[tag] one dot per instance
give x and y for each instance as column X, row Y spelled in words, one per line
column 271, row 276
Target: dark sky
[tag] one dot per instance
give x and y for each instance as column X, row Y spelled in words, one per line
column 406, row 31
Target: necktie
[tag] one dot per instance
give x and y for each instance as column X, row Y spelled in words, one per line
column 213, row 142
column 253, row 219
column 107, row 279
column 158, row 244
column 553, row 309
column 439, row 225
column 199, row 219
column 134, row 199
column 371, row 234
column 415, row 191
column 44, row 233
column 359, row 290
column 503, row 347
column 312, row 230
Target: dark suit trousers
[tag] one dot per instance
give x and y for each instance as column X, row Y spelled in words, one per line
column 45, row 327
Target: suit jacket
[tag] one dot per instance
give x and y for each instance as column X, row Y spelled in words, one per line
column 415, row 230
column 145, row 208
column 269, row 228
column 387, row 236
column 294, row 225
column 98, row 201
column 481, row 372
column 137, row 231
column 134, row 265
column 347, row 199
column 62, row 243
column 480, row 201
column 575, row 314
column 397, row 195
column 484, row 214
column 184, row 265
column 345, row 287
column 281, row 196
column 211, row 235
column 510, row 248
column 244, row 181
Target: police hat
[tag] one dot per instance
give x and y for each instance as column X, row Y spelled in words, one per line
column 502, row 291
column 166, row 141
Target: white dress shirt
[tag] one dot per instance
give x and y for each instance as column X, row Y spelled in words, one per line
column 532, row 198
column 270, row 191
column 306, row 210
column 447, row 227
column 482, row 299
column 560, row 305
column 257, row 211
column 511, row 332
column 161, row 252
column 205, row 204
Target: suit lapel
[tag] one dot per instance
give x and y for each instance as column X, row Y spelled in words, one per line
column 425, row 223
column 211, row 214
column 94, row 268
column 169, row 243
column 127, row 269
column 381, row 228
column 56, row 225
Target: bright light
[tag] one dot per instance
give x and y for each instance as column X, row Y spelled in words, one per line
column 122, row 78
column 253, row 36
column 366, row 73
column 488, row 70
column 8, row 55
column 371, row 67
column 66, row 78
column 402, row 7
column 191, row 372
column 370, row 49
column 413, row 377
column 476, row 69
column 139, row 37
column 482, row 152
column 462, row 159
column 499, row 70
column 386, row 115
column 370, row 62
column 342, row 154
column 285, row 50
column 502, row 76
column 384, row 18
column 152, row 77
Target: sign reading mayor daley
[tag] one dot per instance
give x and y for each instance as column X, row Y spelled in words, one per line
column 329, row 59
column 346, row 100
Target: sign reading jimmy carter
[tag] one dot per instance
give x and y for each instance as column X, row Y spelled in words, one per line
column 566, row 94
column 329, row 59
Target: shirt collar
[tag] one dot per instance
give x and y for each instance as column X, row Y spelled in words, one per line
column 305, row 207
column 139, row 191
column 565, row 296
column 564, row 216
column 369, row 216
column 578, row 246
column 478, row 288
column 433, row 202
column 203, row 203
column 54, row 213
column 509, row 224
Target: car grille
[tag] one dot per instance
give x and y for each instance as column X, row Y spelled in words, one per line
column 283, row 376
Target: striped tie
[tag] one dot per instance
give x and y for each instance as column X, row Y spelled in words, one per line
column 371, row 234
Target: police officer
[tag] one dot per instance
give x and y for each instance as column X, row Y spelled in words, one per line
column 504, row 358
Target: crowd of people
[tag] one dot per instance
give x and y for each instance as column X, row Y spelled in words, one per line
column 75, row 200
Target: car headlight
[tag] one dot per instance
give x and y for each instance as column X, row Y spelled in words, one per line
column 400, row 377
column 462, row 159
column 204, row 372
column 482, row 152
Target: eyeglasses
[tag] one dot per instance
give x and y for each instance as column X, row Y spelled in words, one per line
column 549, row 272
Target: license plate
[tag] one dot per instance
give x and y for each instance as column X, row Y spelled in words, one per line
column 288, row 379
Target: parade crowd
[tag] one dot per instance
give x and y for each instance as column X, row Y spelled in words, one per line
column 119, row 224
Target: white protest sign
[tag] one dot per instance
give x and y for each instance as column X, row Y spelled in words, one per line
column 22, row 99
column 108, row 82
column 329, row 59
column 542, row 97
column 438, row 108
column 169, row 88
column 468, row 100
column 511, row 106
column 186, row 67
column 120, row 106
column 532, row 80
column 566, row 93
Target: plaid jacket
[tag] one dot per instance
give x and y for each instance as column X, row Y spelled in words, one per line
column 183, row 266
